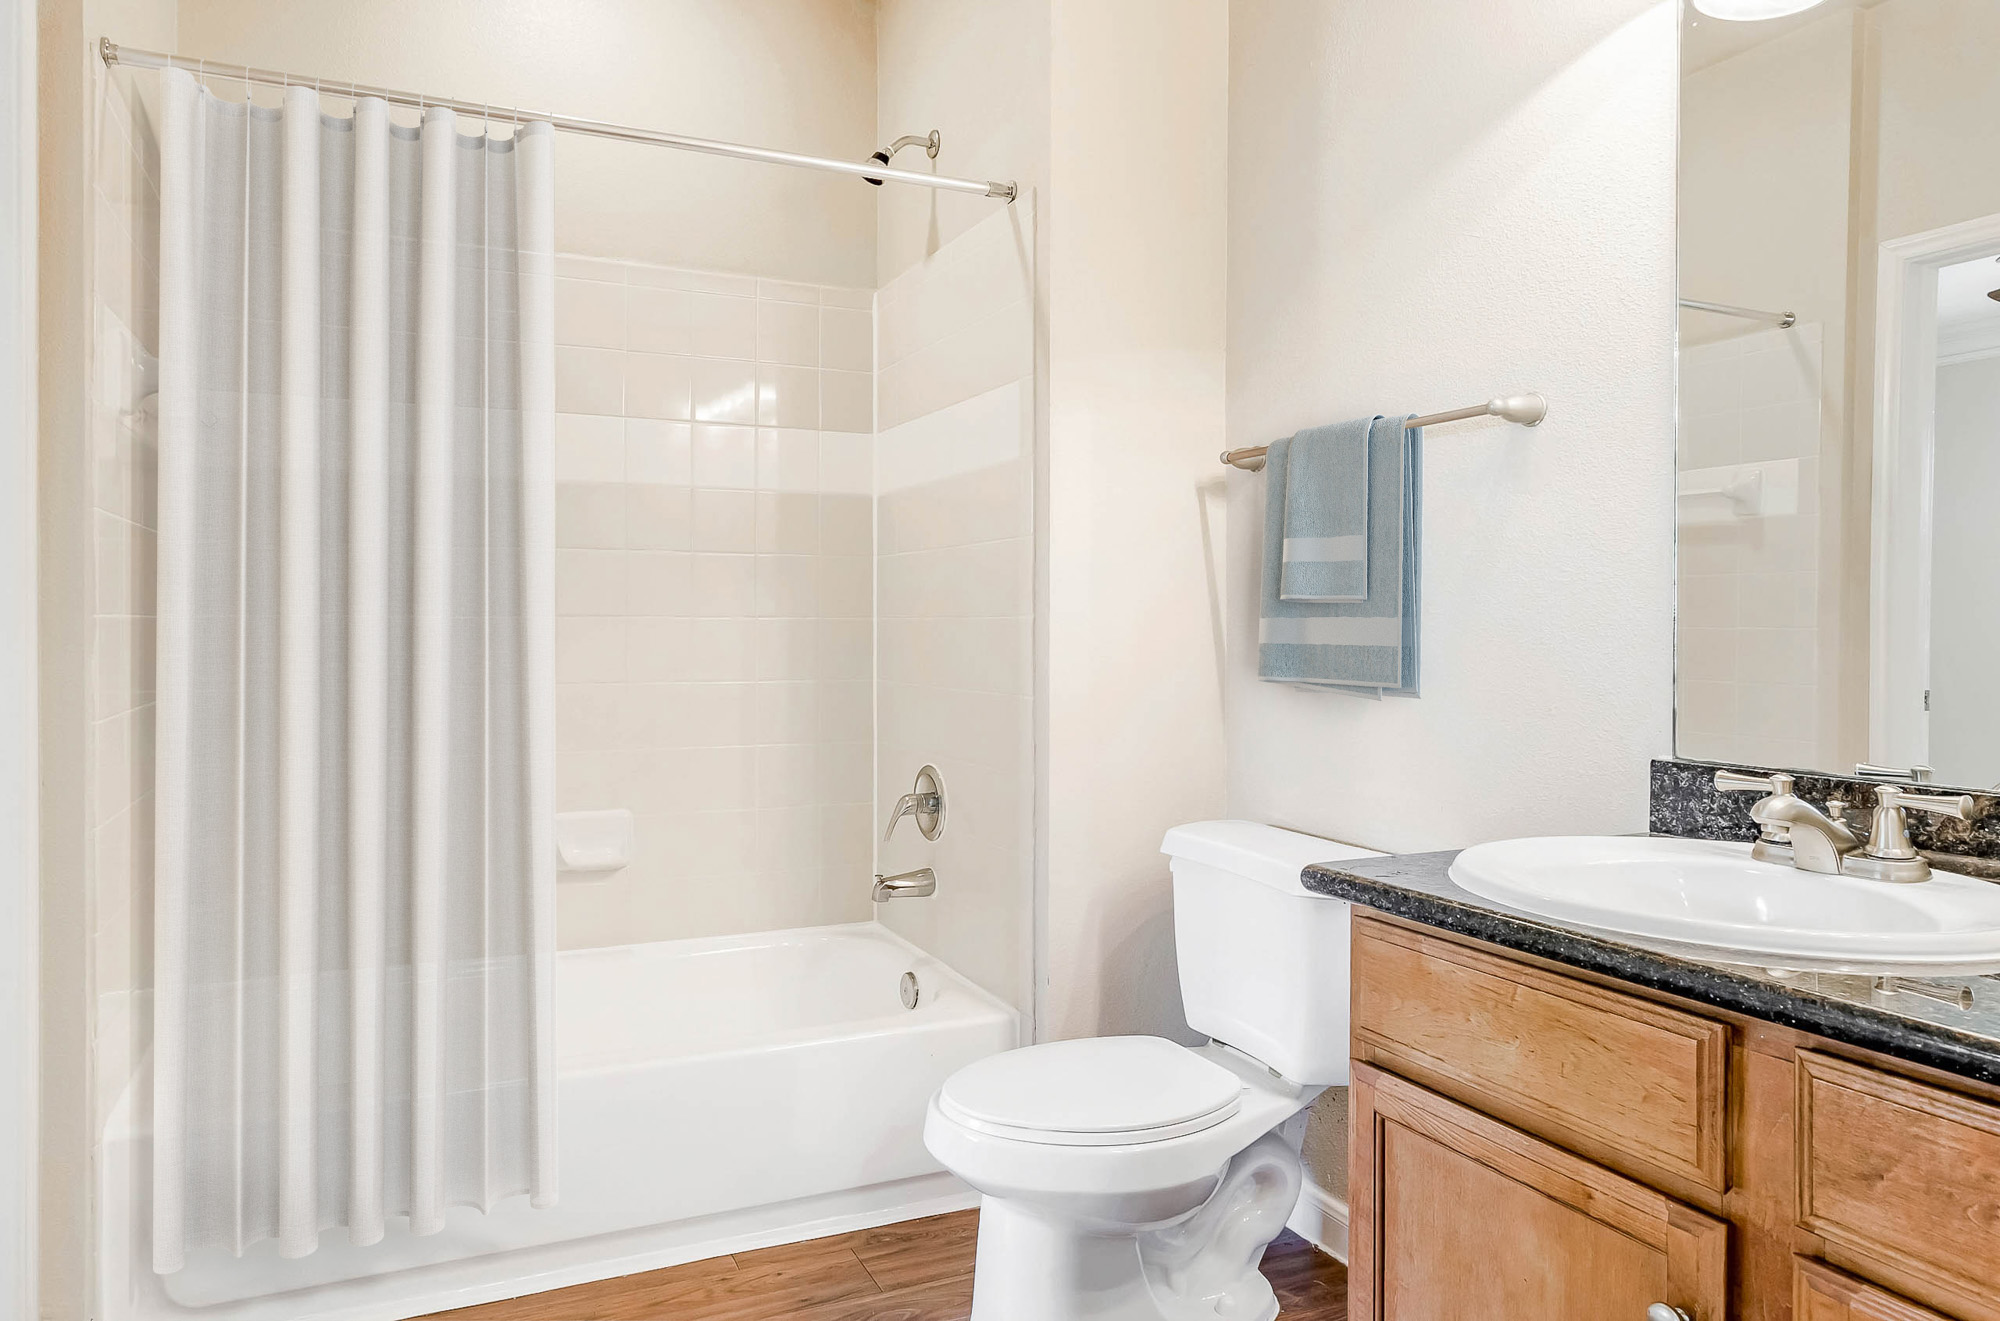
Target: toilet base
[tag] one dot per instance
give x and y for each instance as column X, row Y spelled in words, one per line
column 1032, row 1264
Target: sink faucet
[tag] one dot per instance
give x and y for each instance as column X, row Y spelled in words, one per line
column 1794, row 832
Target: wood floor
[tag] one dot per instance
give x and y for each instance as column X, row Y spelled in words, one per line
column 920, row 1270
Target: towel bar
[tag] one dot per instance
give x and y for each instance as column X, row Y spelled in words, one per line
column 1527, row 409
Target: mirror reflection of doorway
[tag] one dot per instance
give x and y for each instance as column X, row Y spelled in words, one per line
column 1964, row 662
column 1934, row 620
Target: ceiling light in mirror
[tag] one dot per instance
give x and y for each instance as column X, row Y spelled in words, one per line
column 1751, row 11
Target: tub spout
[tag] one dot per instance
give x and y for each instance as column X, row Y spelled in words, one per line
column 904, row 885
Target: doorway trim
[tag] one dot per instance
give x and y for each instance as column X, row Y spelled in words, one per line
column 20, row 908
column 1899, row 577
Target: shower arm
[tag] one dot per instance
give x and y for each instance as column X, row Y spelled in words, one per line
column 930, row 142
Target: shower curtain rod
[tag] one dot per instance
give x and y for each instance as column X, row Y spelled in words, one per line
column 113, row 53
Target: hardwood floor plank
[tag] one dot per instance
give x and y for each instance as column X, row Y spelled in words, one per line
column 589, row 1302
column 768, row 1288
column 918, row 1252
column 938, row 1300
column 918, row 1270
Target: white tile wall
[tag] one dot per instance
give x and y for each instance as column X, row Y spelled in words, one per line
column 714, row 592
column 955, row 575
column 1748, row 646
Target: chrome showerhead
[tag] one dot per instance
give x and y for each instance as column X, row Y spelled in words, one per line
column 929, row 142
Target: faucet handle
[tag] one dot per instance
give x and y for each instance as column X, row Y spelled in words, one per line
column 925, row 802
column 1738, row 782
column 1890, row 855
column 1775, row 785
column 1961, row 806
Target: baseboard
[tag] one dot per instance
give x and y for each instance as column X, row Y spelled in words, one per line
column 1320, row 1219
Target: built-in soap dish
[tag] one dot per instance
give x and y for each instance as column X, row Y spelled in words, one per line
column 591, row 845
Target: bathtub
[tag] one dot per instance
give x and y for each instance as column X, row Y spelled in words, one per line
column 715, row 1095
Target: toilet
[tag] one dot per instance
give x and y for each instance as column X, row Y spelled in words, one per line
column 1136, row 1179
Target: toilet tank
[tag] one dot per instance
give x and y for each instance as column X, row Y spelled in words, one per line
column 1263, row 960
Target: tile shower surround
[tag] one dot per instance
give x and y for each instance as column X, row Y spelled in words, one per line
column 714, row 596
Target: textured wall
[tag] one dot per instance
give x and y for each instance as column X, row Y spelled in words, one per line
column 1432, row 203
column 1503, row 222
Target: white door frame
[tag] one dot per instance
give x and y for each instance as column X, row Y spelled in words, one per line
column 1899, row 587
column 20, row 925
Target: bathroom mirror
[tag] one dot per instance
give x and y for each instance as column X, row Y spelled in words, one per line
column 1839, row 416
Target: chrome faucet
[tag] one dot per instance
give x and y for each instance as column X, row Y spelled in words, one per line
column 1794, row 832
column 905, row 885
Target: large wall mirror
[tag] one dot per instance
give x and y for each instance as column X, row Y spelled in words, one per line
column 1839, row 445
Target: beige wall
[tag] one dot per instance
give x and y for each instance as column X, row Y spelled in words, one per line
column 1358, row 284
column 1138, row 190
column 793, row 74
column 1503, row 221
column 978, row 72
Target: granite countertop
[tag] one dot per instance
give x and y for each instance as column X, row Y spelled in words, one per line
column 1950, row 1023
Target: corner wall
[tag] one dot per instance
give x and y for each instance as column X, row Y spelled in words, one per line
column 1138, row 183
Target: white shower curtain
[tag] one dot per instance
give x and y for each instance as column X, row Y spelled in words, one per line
column 354, row 868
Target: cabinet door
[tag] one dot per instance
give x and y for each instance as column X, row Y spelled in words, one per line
column 1457, row 1216
column 1821, row 1293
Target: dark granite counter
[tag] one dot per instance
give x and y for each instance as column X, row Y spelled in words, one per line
column 1951, row 1023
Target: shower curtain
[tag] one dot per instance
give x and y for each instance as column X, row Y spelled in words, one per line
column 354, row 871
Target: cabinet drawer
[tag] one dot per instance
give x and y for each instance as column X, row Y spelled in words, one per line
column 1639, row 1086
column 1821, row 1293
column 1902, row 1181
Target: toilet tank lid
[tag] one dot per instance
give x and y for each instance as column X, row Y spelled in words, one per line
column 1263, row 853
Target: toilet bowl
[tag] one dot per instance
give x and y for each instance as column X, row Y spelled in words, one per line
column 1135, row 1179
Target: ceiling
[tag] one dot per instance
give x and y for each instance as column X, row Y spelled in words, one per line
column 1968, row 321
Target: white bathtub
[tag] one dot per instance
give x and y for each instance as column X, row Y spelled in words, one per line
column 715, row 1095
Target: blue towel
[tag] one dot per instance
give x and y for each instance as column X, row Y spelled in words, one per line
column 1326, row 514
column 1368, row 648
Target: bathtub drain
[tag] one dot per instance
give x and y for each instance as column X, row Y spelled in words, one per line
column 910, row 991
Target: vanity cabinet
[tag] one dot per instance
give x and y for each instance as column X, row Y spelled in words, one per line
column 1535, row 1141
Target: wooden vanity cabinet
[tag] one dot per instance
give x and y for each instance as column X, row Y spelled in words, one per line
column 1534, row 1142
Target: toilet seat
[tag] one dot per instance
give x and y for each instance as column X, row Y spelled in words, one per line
column 1096, row 1092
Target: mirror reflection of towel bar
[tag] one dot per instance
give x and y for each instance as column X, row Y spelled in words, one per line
column 1783, row 320
column 1526, row 409
column 1743, row 494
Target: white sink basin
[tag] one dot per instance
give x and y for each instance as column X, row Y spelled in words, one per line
column 1717, row 899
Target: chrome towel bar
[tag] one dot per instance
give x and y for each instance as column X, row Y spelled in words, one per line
column 1526, row 409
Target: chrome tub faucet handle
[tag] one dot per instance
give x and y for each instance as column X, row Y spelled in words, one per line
column 925, row 802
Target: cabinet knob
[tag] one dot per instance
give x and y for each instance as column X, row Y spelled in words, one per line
column 1666, row 1312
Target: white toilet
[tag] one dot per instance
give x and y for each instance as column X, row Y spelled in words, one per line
column 1133, row 1179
